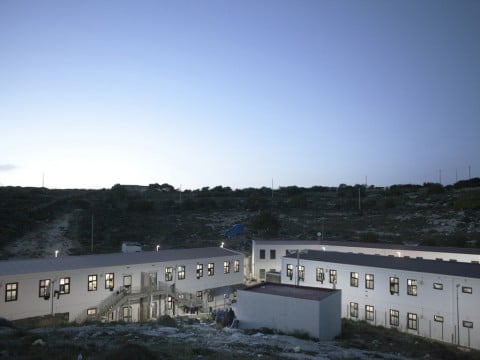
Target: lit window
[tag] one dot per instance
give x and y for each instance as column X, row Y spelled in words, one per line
column 199, row 295
column 354, row 310
column 236, row 266
column 109, row 281
column 412, row 321
column 369, row 313
column 333, row 276
column 181, row 272
column 44, row 288
column 92, row 282
column 290, row 271
column 369, row 281
column 226, row 267
column 169, row 303
column 394, row 285
column 211, row 269
column 301, row 273
column 262, row 253
column 127, row 282
column 64, row 285
column 320, row 275
column 11, row 292
column 168, row 274
column 354, row 279
column 412, row 287
column 438, row 286
column 394, row 317
column 467, row 324
column 273, row 254
column 438, row 318
column 466, row 289
column 199, row 271
column 92, row 312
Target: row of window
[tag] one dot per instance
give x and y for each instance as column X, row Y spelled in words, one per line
column 369, row 280
column 273, row 254
column 44, row 289
column 394, row 317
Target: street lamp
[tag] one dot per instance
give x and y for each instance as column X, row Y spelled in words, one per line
column 158, row 247
column 57, row 252
column 221, row 245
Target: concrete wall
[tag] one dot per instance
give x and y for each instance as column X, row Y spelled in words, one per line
column 320, row 319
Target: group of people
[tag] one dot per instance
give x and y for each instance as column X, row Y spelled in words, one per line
column 223, row 317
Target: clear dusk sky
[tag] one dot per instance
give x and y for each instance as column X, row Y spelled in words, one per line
column 237, row 93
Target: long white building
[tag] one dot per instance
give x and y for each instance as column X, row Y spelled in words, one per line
column 121, row 286
column 413, row 289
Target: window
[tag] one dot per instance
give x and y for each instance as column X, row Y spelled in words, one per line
column 354, row 279
column 301, row 273
column 412, row 287
column 262, row 273
column 64, row 285
column 236, row 266
column 92, row 312
column 44, row 288
column 394, row 317
column 226, row 267
column 354, row 310
column 290, row 271
column 211, row 269
column 92, row 282
column 467, row 324
column 273, row 254
column 438, row 286
column 199, row 295
column 412, row 321
column 169, row 303
column 11, row 292
column 127, row 282
column 199, row 271
column 369, row 281
column 320, row 275
column 369, row 312
column 168, row 274
column 333, row 276
column 210, row 297
column 127, row 313
column 394, row 285
column 438, row 318
column 109, row 281
column 262, row 253
column 466, row 289
column 181, row 272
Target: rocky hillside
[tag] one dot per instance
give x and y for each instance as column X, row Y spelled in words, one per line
column 35, row 221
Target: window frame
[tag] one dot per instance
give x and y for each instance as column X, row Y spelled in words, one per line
column 437, row 286
column 412, row 287
column 320, row 275
column 301, row 272
column 354, row 279
column 236, row 266
column 64, row 285
column 394, row 285
column 262, row 254
column 394, row 317
column 274, row 253
column 467, row 290
column 467, row 324
column 332, row 276
column 181, row 272
column 354, row 310
column 226, row 267
column 412, row 321
column 369, row 313
column 438, row 318
column 211, row 269
column 92, row 282
column 290, row 271
column 11, row 291
column 169, row 273
column 199, row 271
column 110, row 281
column 44, row 288
column 370, row 281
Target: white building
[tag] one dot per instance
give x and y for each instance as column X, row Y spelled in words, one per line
column 122, row 286
column 291, row 309
column 431, row 298
column 267, row 254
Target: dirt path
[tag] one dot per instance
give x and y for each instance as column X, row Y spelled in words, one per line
column 44, row 241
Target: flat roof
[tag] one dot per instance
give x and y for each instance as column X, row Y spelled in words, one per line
column 291, row 291
column 392, row 262
column 63, row 263
column 356, row 244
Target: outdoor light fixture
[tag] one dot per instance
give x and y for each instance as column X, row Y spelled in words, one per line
column 57, row 252
column 158, row 247
column 399, row 253
column 221, row 245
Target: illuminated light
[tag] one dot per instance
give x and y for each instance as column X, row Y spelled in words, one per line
column 158, row 247
column 221, row 245
column 57, row 252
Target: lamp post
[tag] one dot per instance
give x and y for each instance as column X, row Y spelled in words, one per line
column 458, row 318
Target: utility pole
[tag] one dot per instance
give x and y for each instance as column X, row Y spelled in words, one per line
column 92, row 235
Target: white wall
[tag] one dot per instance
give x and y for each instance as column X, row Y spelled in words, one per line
column 428, row 302
column 320, row 319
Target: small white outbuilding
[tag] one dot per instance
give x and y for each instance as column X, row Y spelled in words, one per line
column 291, row 309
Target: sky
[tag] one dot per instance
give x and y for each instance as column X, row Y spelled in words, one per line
column 238, row 93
